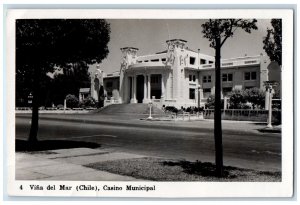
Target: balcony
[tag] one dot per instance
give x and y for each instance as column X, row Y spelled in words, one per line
column 243, row 61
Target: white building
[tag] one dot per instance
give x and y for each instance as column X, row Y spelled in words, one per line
column 177, row 77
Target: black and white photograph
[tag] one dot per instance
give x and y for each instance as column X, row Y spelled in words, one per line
column 117, row 104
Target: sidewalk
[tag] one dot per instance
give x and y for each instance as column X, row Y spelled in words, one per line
column 68, row 164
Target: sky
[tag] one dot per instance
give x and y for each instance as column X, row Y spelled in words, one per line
column 150, row 35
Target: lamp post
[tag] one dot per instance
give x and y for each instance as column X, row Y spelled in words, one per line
column 65, row 104
column 30, row 99
column 270, row 85
column 199, row 97
column 150, row 107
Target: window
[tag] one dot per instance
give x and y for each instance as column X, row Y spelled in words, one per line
column 192, row 60
column 206, row 92
column 247, row 76
column 109, row 84
column 192, row 93
column 206, row 79
column 192, row 78
column 250, row 76
column 253, row 75
column 209, row 78
column 224, row 77
column 202, row 61
column 227, row 77
column 226, row 90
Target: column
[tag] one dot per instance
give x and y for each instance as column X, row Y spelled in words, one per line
column 162, row 88
column 149, row 87
column 134, row 89
column 145, row 89
column 131, row 91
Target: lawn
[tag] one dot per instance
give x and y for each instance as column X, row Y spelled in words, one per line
column 157, row 169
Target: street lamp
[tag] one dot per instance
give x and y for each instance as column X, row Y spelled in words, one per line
column 199, row 96
column 150, row 107
column 30, row 98
column 270, row 85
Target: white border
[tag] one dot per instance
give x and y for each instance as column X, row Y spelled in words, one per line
column 164, row 189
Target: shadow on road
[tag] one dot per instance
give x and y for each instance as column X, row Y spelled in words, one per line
column 23, row 145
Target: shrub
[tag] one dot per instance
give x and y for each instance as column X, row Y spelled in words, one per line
column 210, row 104
column 72, row 101
column 88, row 102
column 171, row 109
column 236, row 99
column 256, row 97
column 60, row 106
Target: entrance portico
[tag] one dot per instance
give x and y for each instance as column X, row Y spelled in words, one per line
column 144, row 87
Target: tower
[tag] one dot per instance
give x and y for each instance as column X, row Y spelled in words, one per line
column 129, row 58
column 97, row 84
column 175, row 56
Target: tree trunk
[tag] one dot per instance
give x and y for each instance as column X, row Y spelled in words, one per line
column 217, row 113
column 35, row 110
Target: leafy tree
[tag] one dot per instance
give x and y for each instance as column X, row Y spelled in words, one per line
column 255, row 96
column 72, row 101
column 217, row 31
column 273, row 41
column 44, row 45
column 69, row 82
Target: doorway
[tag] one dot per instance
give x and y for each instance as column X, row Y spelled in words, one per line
column 156, row 86
column 140, row 88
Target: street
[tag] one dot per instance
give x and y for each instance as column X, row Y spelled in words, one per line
column 261, row 151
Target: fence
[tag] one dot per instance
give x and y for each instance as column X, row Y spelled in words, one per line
column 245, row 115
column 185, row 116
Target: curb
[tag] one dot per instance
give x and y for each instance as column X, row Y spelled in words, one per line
column 270, row 130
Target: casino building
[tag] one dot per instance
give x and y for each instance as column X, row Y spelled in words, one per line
column 178, row 76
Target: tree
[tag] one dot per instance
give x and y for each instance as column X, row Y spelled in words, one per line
column 69, row 82
column 273, row 41
column 44, row 45
column 217, row 31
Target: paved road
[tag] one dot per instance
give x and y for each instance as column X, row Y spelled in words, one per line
column 247, row 149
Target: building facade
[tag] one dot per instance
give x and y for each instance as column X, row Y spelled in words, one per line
column 176, row 77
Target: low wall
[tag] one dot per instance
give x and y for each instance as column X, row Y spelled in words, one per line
column 245, row 115
column 55, row 110
column 187, row 116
